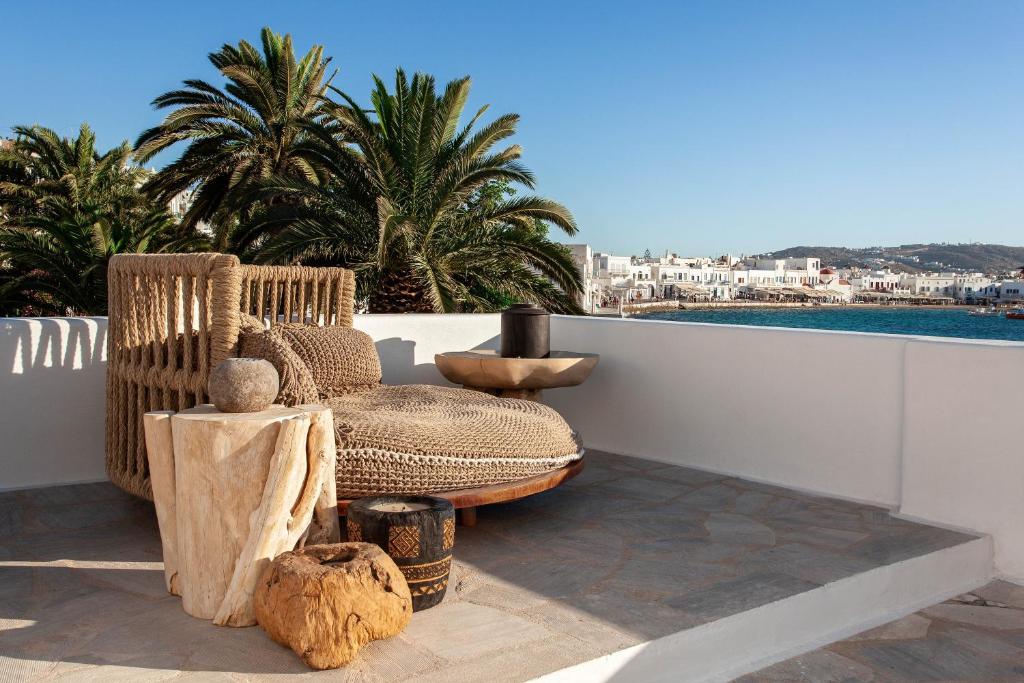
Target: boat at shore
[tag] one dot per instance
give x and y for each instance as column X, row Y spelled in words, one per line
column 983, row 311
column 1015, row 314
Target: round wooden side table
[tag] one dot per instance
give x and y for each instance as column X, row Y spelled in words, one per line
column 524, row 378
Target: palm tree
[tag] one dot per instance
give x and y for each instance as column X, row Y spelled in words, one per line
column 412, row 207
column 65, row 208
column 253, row 129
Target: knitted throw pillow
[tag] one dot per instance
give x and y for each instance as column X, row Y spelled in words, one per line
column 297, row 386
column 250, row 324
column 340, row 359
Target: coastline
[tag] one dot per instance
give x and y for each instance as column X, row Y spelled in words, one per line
column 951, row 321
column 642, row 308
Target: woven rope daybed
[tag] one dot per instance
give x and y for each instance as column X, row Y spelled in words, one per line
column 391, row 439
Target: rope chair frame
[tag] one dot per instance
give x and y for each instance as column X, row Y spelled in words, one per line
column 174, row 317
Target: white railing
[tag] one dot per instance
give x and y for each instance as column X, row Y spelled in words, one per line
column 927, row 426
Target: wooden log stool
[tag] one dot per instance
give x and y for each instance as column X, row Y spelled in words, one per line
column 326, row 602
column 232, row 491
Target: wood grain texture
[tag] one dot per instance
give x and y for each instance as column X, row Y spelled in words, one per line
column 233, row 491
column 291, row 484
column 160, row 449
column 485, row 368
column 324, row 527
column 326, row 602
column 222, row 461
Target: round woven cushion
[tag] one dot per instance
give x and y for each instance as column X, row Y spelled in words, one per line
column 416, row 439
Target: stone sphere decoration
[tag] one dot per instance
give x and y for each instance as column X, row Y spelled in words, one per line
column 326, row 602
column 243, row 385
column 418, row 532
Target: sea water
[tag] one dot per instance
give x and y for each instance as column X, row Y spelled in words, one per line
column 936, row 322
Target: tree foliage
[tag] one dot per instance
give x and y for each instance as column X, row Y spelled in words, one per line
column 255, row 127
column 282, row 167
column 65, row 208
column 420, row 205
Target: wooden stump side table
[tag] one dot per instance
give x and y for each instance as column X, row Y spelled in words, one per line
column 232, row 491
column 523, row 378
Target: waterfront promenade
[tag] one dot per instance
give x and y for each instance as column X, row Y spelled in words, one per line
column 644, row 307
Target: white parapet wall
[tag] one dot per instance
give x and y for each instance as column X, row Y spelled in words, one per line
column 963, row 457
column 926, row 426
column 53, row 385
column 407, row 343
column 52, row 400
column 817, row 411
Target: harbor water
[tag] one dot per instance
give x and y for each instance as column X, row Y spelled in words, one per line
column 935, row 322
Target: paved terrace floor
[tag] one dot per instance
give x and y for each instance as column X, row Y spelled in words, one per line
column 978, row 636
column 629, row 551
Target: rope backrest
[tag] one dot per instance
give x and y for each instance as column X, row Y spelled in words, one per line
column 302, row 294
column 171, row 319
column 174, row 317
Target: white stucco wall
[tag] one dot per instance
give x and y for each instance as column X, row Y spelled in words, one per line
column 53, row 385
column 743, row 400
column 928, row 427
column 52, row 400
column 963, row 457
column 407, row 343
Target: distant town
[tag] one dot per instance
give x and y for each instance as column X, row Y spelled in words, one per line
column 613, row 282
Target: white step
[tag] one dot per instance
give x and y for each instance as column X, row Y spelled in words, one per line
column 749, row 641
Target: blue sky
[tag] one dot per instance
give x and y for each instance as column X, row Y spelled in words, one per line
column 700, row 127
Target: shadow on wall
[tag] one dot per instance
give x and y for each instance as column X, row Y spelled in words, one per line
column 398, row 361
column 32, row 344
column 52, row 384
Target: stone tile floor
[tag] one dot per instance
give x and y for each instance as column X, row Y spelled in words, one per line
column 629, row 551
column 978, row 636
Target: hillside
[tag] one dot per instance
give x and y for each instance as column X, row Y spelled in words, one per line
column 985, row 258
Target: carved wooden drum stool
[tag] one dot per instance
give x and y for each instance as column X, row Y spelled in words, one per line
column 417, row 532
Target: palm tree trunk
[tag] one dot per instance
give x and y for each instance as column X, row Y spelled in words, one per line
column 399, row 292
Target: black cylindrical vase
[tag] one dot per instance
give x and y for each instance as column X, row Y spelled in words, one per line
column 525, row 332
column 417, row 532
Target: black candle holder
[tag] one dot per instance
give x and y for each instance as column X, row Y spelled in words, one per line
column 525, row 332
column 417, row 532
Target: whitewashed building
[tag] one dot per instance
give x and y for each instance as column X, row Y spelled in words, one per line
column 1005, row 291
column 929, row 284
column 583, row 257
column 968, row 288
column 669, row 276
column 614, row 269
column 877, row 281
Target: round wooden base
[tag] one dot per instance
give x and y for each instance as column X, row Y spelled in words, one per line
column 467, row 500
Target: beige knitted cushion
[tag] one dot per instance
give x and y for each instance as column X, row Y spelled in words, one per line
column 417, row 439
column 340, row 359
column 297, row 384
column 250, row 324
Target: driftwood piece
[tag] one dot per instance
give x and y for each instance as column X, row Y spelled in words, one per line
column 325, row 527
column 326, row 602
column 244, row 487
column 268, row 530
column 299, row 471
column 160, row 448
